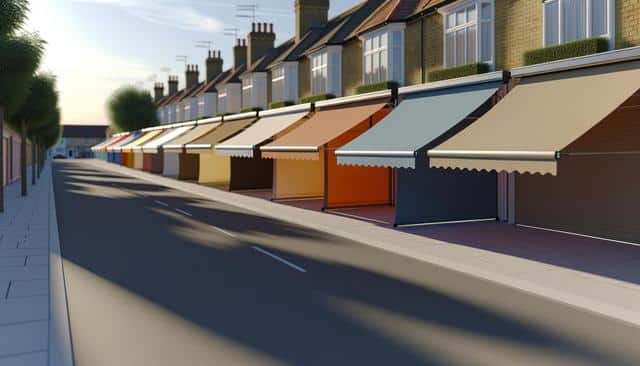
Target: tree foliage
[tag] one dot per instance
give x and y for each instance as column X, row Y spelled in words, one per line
column 132, row 109
column 20, row 57
column 40, row 102
column 51, row 131
column 13, row 15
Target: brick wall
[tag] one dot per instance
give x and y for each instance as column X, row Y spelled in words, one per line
column 412, row 53
column 518, row 29
column 627, row 23
column 351, row 66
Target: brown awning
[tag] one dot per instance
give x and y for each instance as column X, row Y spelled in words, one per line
column 179, row 142
column 541, row 120
column 328, row 123
column 226, row 130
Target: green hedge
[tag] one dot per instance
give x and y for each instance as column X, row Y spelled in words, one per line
column 317, row 98
column 458, row 71
column 222, row 114
column 251, row 109
column 568, row 50
column 280, row 104
column 369, row 88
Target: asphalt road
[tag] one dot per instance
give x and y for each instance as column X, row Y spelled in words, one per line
column 160, row 277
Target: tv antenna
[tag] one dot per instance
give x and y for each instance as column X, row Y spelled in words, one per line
column 247, row 11
column 182, row 58
column 232, row 32
column 204, row 44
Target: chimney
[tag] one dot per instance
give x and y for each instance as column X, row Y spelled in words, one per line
column 310, row 13
column 214, row 65
column 191, row 76
column 240, row 53
column 173, row 85
column 158, row 91
column 260, row 41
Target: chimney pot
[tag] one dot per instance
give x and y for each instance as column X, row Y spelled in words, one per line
column 253, row 27
column 264, row 26
column 270, row 27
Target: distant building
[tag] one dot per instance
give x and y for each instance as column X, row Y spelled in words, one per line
column 77, row 140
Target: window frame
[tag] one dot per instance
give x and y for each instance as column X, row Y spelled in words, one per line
column 280, row 78
column 390, row 49
column 453, row 8
column 611, row 30
column 323, row 65
column 247, row 87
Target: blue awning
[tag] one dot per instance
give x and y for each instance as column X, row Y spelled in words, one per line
column 424, row 117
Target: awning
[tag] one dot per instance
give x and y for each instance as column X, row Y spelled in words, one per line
column 529, row 130
column 266, row 128
column 178, row 144
column 152, row 146
column 117, row 146
column 306, row 140
column 223, row 132
column 141, row 140
column 421, row 119
column 106, row 142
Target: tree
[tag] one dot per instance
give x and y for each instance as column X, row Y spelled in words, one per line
column 20, row 57
column 39, row 105
column 132, row 109
column 47, row 136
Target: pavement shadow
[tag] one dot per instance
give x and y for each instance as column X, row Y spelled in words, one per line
column 335, row 314
column 599, row 257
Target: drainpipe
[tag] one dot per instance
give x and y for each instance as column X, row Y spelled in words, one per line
column 422, row 70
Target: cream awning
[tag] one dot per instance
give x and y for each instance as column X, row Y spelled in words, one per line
column 178, row 144
column 152, row 146
column 141, row 140
column 531, row 128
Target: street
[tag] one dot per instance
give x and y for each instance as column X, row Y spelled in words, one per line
column 155, row 276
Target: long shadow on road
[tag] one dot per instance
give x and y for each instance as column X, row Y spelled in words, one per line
column 354, row 306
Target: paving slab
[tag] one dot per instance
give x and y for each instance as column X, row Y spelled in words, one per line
column 24, row 288
column 20, row 310
column 28, row 359
column 21, row 338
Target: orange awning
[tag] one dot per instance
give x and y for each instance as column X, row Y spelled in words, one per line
column 327, row 124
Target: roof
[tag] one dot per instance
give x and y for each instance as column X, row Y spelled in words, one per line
column 353, row 19
column 210, row 87
column 313, row 37
column 426, row 4
column 389, row 12
column 261, row 64
column 233, row 76
column 80, row 131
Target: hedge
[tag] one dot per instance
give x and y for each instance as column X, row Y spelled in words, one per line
column 572, row 49
column 280, row 104
column 251, row 109
column 369, row 88
column 458, row 71
column 317, row 98
column 222, row 114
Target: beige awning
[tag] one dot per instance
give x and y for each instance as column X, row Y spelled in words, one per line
column 540, row 119
column 226, row 130
column 178, row 144
column 141, row 140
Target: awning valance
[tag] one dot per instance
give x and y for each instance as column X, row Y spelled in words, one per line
column 538, row 121
column 244, row 144
column 178, row 144
column 328, row 123
column 152, row 146
column 226, row 129
column 141, row 140
column 419, row 120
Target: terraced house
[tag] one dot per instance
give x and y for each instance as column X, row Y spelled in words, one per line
column 432, row 111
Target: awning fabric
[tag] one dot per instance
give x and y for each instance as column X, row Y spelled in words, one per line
column 105, row 143
column 116, row 147
column 178, row 143
column 141, row 140
column 115, row 141
column 305, row 141
column 243, row 144
column 531, row 127
column 161, row 135
column 227, row 129
column 152, row 146
column 418, row 120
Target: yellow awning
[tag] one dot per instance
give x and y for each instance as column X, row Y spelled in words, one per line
column 541, row 119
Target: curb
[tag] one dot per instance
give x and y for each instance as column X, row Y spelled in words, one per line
column 576, row 301
column 60, row 347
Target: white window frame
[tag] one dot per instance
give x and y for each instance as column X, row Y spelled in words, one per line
column 319, row 64
column 463, row 4
column 389, row 47
column 333, row 66
column 247, row 86
column 611, row 27
column 278, row 75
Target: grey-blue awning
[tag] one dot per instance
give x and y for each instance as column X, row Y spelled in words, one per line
column 423, row 117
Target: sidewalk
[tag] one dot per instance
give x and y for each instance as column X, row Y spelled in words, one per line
column 591, row 274
column 31, row 329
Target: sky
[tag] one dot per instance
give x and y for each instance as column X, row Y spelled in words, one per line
column 96, row 46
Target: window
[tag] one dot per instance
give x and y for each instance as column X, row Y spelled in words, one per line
column 468, row 33
column 383, row 55
column 247, row 90
column 572, row 20
column 319, row 71
column 277, row 84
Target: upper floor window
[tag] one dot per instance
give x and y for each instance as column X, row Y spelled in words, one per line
column 384, row 55
column 277, row 84
column 247, row 89
column 572, row 20
column 319, row 73
column 468, row 32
